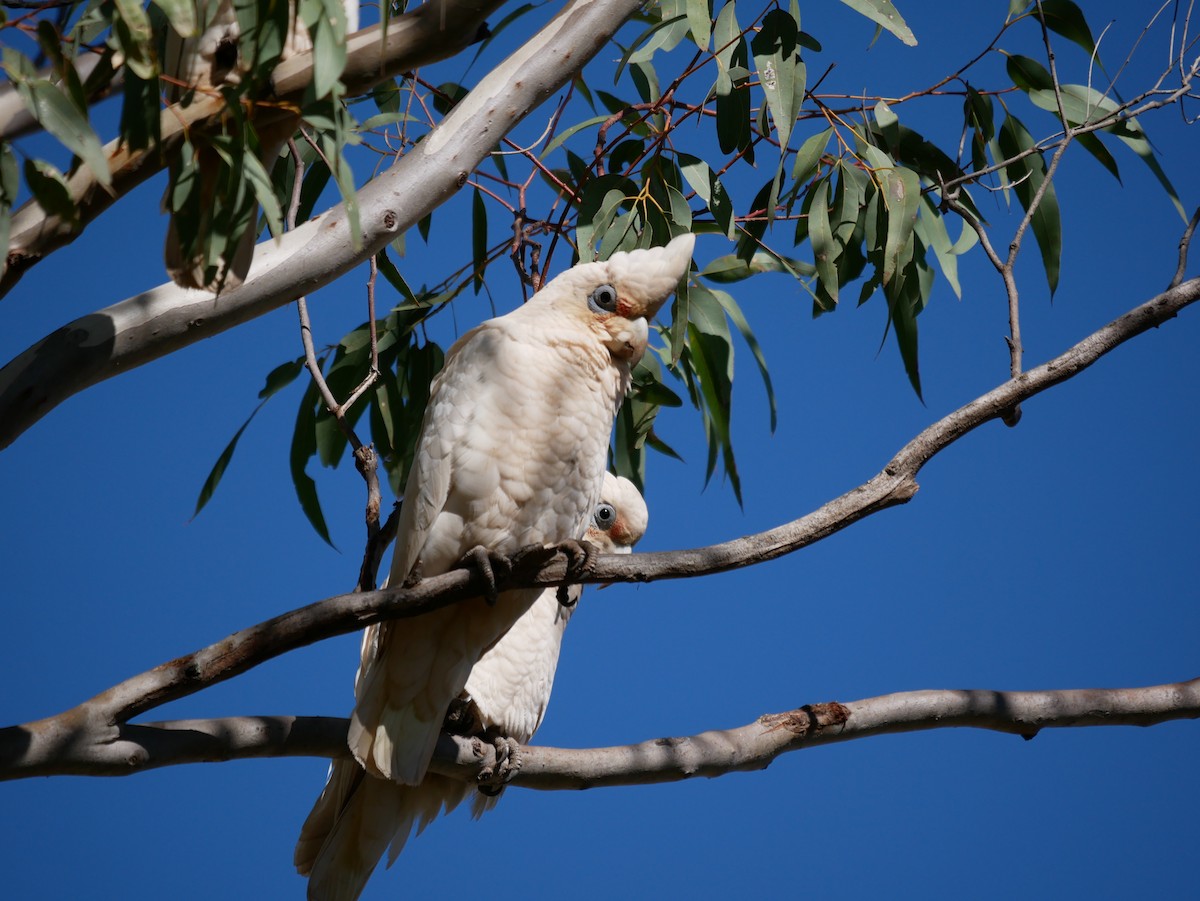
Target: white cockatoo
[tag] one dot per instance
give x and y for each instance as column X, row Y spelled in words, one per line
column 511, row 453
column 358, row 816
column 205, row 62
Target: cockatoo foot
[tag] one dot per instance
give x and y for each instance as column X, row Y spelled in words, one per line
column 463, row 717
column 489, row 564
column 492, row 779
column 579, row 556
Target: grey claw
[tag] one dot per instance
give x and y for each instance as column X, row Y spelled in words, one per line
column 579, row 556
column 492, row 779
column 488, row 563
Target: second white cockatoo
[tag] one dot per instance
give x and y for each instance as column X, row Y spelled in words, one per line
column 512, row 451
column 358, row 816
column 205, row 62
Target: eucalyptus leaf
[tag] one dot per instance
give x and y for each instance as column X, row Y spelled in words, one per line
column 1027, row 175
column 883, row 14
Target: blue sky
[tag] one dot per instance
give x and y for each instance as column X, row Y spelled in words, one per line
column 1059, row 554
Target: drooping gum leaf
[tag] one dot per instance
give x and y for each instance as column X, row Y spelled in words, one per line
column 699, row 23
column 1067, row 19
column 566, row 135
column 930, row 227
column 1027, row 175
column 733, row 107
column 738, row 318
column 131, row 28
column 304, row 446
column 264, row 192
column 902, row 193
column 732, row 268
column 903, row 311
column 726, row 37
column 808, row 157
column 883, row 14
column 1093, row 145
column 478, row 238
column 218, row 470
column 825, row 249
column 50, row 189
column 55, row 113
column 181, row 14
column 1138, row 143
column 781, row 74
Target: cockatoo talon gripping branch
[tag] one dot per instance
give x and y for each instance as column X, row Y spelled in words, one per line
column 512, row 452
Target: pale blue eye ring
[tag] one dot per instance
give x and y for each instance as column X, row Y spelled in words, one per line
column 604, row 516
column 603, row 299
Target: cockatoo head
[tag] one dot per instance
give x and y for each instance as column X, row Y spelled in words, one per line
column 616, row 298
column 619, row 520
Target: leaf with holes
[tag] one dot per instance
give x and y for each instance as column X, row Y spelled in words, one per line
column 781, row 74
column 901, row 191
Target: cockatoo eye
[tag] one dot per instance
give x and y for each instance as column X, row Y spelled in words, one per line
column 604, row 516
column 603, row 299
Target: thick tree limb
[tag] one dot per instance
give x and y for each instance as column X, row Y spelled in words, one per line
column 167, row 318
column 107, row 713
column 129, row 749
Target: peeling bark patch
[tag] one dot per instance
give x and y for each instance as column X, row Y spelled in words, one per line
column 810, row 718
column 798, row 722
column 829, row 714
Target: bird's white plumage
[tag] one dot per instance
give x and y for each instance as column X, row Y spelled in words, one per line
column 511, row 453
column 358, row 816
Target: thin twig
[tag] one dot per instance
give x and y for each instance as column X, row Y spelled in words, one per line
column 372, row 375
column 366, row 461
column 1184, row 243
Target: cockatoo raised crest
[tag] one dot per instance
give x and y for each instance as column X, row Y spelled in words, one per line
column 358, row 816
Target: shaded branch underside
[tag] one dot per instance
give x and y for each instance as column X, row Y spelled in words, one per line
column 42, row 749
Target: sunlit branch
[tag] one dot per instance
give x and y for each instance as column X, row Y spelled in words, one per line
column 135, row 748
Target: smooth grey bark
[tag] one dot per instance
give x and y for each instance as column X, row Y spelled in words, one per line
column 135, row 748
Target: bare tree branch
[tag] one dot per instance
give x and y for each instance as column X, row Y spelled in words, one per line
column 754, row 746
column 165, row 319
column 107, row 712
column 131, row 748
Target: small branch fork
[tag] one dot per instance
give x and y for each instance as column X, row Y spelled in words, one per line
column 366, row 461
column 96, row 729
